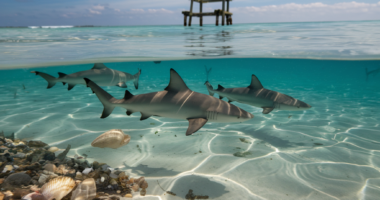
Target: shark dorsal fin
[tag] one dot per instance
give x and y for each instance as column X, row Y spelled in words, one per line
column 220, row 87
column 127, row 95
column 99, row 66
column 176, row 83
column 255, row 83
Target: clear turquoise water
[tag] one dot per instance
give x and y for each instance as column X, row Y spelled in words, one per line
column 331, row 151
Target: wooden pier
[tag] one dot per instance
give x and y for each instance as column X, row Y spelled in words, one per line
column 226, row 14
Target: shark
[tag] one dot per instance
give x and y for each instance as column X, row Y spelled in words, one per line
column 176, row 101
column 256, row 95
column 99, row 73
column 373, row 72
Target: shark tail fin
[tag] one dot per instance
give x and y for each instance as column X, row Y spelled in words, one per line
column 103, row 96
column 50, row 79
column 137, row 76
column 209, row 88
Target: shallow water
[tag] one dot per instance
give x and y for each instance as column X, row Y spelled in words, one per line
column 23, row 47
column 331, row 151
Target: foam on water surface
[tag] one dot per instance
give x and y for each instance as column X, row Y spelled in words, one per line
column 331, row 151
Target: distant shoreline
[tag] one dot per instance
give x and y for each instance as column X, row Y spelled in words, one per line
column 84, row 26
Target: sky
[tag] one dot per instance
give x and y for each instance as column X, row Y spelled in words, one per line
column 168, row 12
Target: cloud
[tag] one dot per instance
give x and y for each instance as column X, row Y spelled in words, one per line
column 94, row 11
column 98, row 7
column 308, row 12
column 151, row 11
column 353, row 7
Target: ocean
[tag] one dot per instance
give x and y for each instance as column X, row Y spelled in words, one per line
column 331, row 151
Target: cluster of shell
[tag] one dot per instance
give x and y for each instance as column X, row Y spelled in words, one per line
column 56, row 188
column 113, row 138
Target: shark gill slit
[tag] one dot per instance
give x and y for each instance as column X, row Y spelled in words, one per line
column 185, row 101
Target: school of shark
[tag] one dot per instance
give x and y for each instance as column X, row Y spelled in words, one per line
column 177, row 101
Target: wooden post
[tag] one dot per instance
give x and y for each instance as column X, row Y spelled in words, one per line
column 185, row 20
column 228, row 10
column 231, row 20
column 217, row 19
column 200, row 11
column 191, row 12
column 223, row 12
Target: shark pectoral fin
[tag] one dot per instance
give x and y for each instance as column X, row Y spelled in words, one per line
column 64, row 83
column 220, row 97
column 70, row 86
column 122, row 85
column 229, row 101
column 255, row 83
column 144, row 116
column 195, row 124
column 107, row 111
column 99, row 66
column 267, row 110
column 129, row 112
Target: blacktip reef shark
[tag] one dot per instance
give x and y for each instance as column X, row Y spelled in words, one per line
column 100, row 74
column 176, row 101
column 256, row 95
column 373, row 72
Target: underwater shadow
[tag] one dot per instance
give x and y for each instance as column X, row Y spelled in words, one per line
column 200, row 186
column 272, row 140
column 145, row 170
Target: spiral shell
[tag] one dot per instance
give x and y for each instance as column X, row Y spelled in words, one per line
column 58, row 188
column 113, row 138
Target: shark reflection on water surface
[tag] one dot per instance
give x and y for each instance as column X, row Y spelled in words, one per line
column 101, row 74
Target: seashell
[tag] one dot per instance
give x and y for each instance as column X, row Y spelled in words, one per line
column 7, row 168
column 86, row 171
column 50, row 167
column 113, row 138
column 128, row 195
column 53, row 149
column 57, row 188
column 135, row 187
column 79, row 176
column 34, row 196
column 86, row 190
column 143, row 192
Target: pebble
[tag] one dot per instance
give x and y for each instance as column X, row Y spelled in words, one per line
column 36, row 144
column 53, row 149
column 17, row 180
column 128, row 195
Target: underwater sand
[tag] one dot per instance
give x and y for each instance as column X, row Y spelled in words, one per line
column 331, row 151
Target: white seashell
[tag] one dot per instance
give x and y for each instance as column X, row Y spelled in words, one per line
column 102, row 179
column 87, row 170
column 34, row 196
column 8, row 140
column 58, row 188
column 113, row 138
column 53, row 149
column 7, row 168
column 85, row 190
